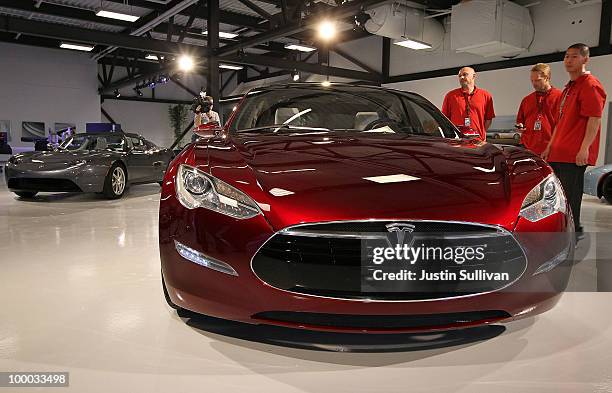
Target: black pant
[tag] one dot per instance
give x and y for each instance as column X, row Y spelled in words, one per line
column 571, row 177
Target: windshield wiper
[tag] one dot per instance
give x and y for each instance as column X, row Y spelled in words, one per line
column 277, row 127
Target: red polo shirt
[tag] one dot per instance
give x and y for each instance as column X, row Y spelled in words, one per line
column 543, row 107
column 480, row 104
column 583, row 98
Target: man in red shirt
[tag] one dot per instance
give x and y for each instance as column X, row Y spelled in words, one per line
column 575, row 141
column 468, row 107
column 538, row 111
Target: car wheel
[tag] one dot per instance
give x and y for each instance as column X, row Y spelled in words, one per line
column 26, row 194
column 167, row 296
column 495, row 136
column 517, row 137
column 606, row 189
column 115, row 182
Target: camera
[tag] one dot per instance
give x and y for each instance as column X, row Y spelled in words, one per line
column 200, row 104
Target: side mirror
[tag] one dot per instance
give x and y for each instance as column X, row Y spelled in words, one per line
column 208, row 130
column 469, row 132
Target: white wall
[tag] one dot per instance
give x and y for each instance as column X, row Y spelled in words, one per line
column 147, row 119
column 509, row 86
column 46, row 85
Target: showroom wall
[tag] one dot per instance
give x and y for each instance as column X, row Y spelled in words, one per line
column 46, row 85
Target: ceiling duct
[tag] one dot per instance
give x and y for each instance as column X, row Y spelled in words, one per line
column 399, row 22
column 490, row 27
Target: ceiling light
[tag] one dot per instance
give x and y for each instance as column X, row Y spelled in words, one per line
column 83, row 47
column 295, row 76
column 327, row 30
column 300, row 47
column 326, row 83
column 117, row 15
column 223, row 34
column 413, row 44
column 117, row 94
column 154, row 57
column 185, row 63
column 137, row 90
column 230, row 66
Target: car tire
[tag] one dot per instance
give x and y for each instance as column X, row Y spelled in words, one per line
column 517, row 137
column 167, row 296
column 26, row 194
column 495, row 136
column 115, row 183
column 606, row 189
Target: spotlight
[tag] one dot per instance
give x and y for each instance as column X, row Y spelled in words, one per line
column 326, row 83
column 361, row 19
column 185, row 63
column 295, row 76
column 162, row 79
column 117, row 94
column 327, row 30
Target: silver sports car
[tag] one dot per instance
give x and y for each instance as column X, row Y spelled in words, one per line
column 598, row 182
column 104, row 163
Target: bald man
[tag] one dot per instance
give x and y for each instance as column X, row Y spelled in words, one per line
column 469, row 107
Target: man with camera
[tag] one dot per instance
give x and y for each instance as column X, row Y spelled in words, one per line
column 202, row 108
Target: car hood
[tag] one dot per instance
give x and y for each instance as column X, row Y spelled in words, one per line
column 301, row 179
column 58, row 159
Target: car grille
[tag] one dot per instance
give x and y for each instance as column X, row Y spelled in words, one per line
column 325, row 259
column 42, row 185
column 389, row 322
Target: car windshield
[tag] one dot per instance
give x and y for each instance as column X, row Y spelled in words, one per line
column 352, row 109
column 94, row 142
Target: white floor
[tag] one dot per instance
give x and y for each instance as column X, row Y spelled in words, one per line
column 80, row 292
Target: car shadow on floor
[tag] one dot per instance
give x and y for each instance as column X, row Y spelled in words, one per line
column 80, row 197
column 340, row 342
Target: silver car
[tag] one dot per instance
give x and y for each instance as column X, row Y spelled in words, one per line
column 104, row 163
column 598, row 182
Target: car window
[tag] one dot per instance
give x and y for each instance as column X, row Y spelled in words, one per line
column 150, row 145
column 346, row 109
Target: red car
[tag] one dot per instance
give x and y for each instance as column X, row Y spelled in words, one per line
column 297, row 213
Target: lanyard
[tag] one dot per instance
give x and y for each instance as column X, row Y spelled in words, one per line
column 566, row 92
column 467, row 97
column 540, row 98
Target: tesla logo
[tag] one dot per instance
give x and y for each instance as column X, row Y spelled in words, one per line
column 403, row 233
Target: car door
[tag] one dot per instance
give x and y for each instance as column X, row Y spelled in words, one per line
column 139, row 160
column 159, row 162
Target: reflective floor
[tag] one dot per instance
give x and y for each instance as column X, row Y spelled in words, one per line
column 80, row 292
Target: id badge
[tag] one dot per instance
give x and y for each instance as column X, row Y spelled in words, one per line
column 467, row 122
column 537, row 126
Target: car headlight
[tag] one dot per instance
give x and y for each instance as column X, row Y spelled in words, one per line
column 545, row 199
column 195, row 188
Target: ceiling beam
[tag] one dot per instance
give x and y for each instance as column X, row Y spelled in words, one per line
column 340, row 12
column 77, row 34
column 301, row 66
column 149, row 22
column 355, row 61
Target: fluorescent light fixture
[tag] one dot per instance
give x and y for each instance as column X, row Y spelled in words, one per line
column 117, row 15
column 300, row 47
column 223, row 34
column 83, row 47
column 413, row 44
column 154, row 57
column 392, row 178
column 230, row 66
column 185, row 63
